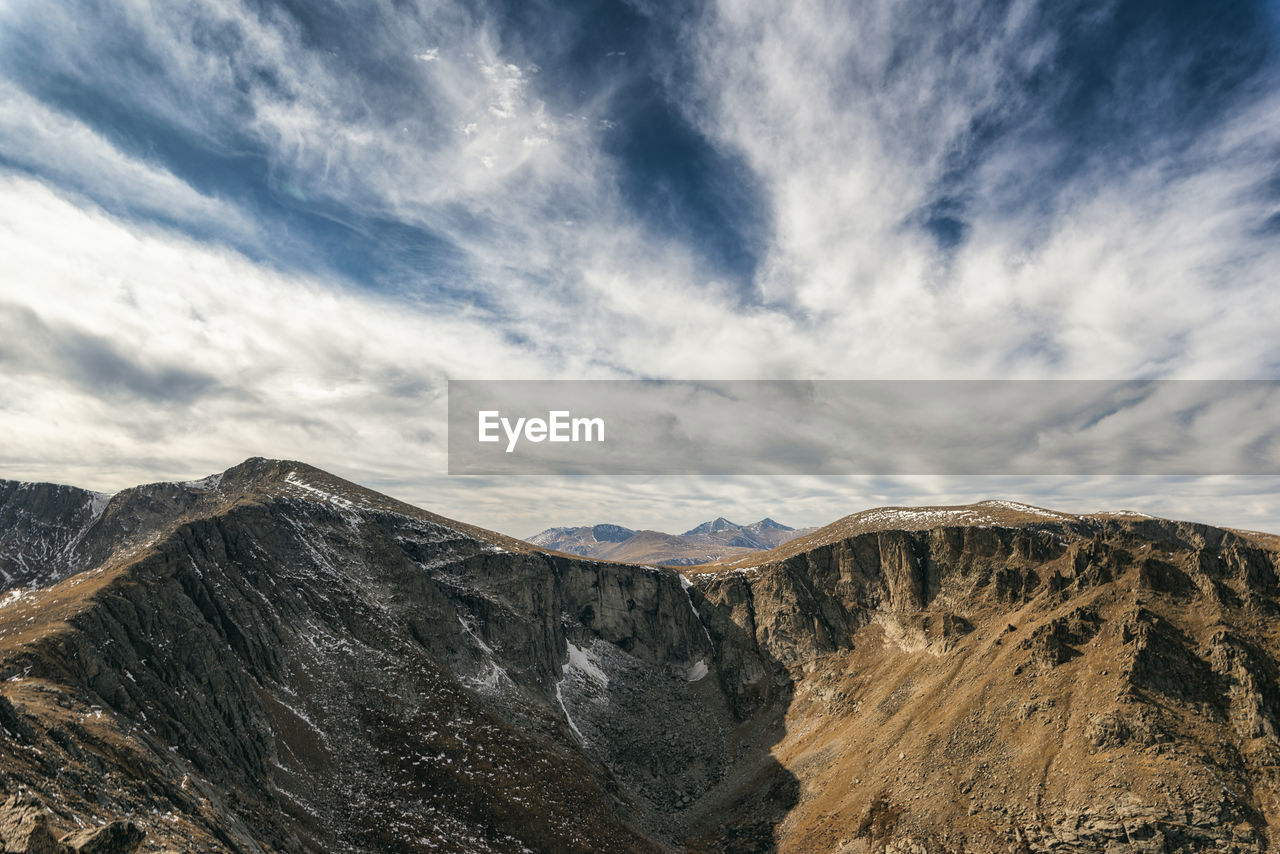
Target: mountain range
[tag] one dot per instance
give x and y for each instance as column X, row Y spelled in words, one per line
column 277, row 660
column 710, row 541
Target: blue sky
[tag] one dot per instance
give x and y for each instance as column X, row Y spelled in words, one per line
column 233, row 228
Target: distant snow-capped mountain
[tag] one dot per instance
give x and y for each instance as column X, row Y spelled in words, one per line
column 712, row 540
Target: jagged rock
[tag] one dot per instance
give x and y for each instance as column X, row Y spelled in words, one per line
column 25, row 828
column 1252, row 690
column 1055, row 642
column 1134, row 724
column 906, row 845
column 1162, row 660
column 118, row 837
column 12, row 723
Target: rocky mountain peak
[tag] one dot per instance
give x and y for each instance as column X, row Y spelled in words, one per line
column 715, row 526
column 611, row 533
column 710, row 541
column 767, row 524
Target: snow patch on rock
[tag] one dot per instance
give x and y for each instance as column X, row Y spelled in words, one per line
column 209, row 483
column 98, row 502
column 587, row 663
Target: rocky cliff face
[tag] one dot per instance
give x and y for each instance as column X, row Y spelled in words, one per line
column 41, row 529
column 1023, row 683
column 277, row 660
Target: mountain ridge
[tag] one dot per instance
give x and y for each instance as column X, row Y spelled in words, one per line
column 288, row 492
column 710, row 541
column 278, row 660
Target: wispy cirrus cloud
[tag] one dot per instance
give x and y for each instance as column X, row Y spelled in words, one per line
column 59, row 148
column 1072, row 182
column 321, row 212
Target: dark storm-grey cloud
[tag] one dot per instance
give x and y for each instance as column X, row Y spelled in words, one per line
column 95, row 364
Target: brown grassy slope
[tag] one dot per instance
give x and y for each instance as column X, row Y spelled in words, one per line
column 1023, row 682
column 651, row 547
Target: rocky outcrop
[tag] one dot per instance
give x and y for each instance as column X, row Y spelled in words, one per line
column 26, row 828
column 118, row 837
column 41, row 529
column 1050, row 684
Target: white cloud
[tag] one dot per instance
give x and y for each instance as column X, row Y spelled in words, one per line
column 63, row 149
column 302, row 369
column 851, row 121
column 288, row 367
column 1132, row 271
column 848, row 118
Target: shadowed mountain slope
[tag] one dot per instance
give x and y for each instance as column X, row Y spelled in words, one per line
column 278, row 660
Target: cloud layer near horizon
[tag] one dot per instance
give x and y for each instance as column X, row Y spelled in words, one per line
column 235, row 228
